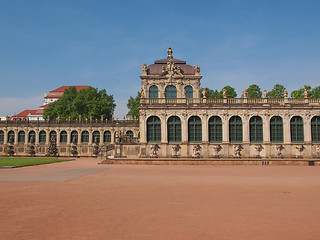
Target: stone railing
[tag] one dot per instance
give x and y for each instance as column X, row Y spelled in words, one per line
column 75, row 123
column 231, row 101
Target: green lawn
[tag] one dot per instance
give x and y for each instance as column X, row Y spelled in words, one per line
column 19, row 162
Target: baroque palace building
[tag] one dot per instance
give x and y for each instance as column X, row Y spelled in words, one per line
column 176, row 123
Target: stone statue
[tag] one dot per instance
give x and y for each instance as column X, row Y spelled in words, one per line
column 197, row 151
column 204, row 92
column 175, row 149
column 197, row 69
column 142, row 95
column 144, row 69
column 265, row 94
column 96, row 148
column 154, row 150
column 285, row 93
column 245, row 94
column 306, row 93
column 279, row 148
column 224, row 92
column 258, row 148
column 237, row 150
column 300, row 149
column 216, row 150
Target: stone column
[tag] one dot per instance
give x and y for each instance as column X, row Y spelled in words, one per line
column 15, row 137
column 204, row 122
column 184, row 129
column 101, row 136
column 37, row 136
column 143, row 130
column 245, row 129
column 266, row 129
column 307, row 129
column 79, row 136
column 164, row 137
column 69, row 136
column 90, row 137
column 47, row 136
column 58, row 137
column 5, row 132
column 286, row 129
column 225, row 129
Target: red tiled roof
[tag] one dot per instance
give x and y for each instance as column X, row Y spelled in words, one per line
column 57, row 93
column 61, row 89
column 45, row 106
column 23, row 114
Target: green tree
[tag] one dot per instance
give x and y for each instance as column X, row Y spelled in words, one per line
column 315, row 92
column 231, row 92
column 300, row 92
column 89, row 103
column 254, row 91
column 210, row 93
column 276, row 92
column 133, row 104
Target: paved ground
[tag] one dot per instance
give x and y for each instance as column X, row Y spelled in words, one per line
column 84, row 200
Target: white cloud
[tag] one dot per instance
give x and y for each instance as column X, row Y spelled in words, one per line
column 11, row 106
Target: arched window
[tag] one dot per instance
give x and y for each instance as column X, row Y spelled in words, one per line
column 174, row 129
column 53, row 134
column 74, row 136
column 32, row 137
column 85, row 136
column 235, row 129
column 194, row 129
column 63, row 136
column 188, row 92
column 42, row 136
column 296, row 129
column 153, row 129
column 171, row 92
column 107, row 137
column 215, row 129
column 21, row 137
column 153, row 94
column 315, row 129
column 256, row 129
column 1, row 136
column 276, row 129
column 96, row 136
column 129, row 133
column 11, row 136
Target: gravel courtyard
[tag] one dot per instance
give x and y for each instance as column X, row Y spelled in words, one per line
column 82, row 199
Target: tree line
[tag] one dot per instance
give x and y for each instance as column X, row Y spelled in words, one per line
column 254, row 91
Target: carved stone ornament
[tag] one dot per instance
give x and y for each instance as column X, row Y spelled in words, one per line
column 144, row 69
column 197, row 151
column 306, row 93
column 224, row 92
column 300, row 149
column 175, row 150
column 279, row 148
column 318, row 151
column 154, row 150
column 197, row 70
column 258, row 148
column 171, row 70
column 245, row 94
column 285, row 93
column 265, row 94
column 216, row 150
column 237, row 150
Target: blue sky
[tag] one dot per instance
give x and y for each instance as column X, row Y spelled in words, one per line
column 47, row 44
